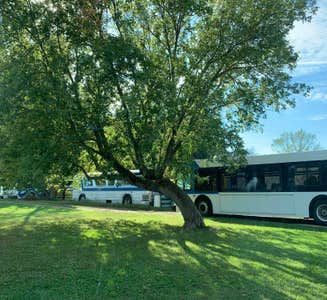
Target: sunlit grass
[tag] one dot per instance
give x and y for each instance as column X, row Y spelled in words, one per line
column 51, row 252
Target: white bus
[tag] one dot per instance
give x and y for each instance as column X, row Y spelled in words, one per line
column 280, row 185
column 112, row 191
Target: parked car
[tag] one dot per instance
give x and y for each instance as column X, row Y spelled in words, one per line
column 29, row 193
column 9, row 194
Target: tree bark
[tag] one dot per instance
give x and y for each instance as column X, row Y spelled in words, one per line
column 192, row 217
column 64, row 193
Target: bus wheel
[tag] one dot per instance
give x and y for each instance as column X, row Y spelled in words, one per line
column 127, row 199
column 319, row 211
column 204, row 206
column 81, row 197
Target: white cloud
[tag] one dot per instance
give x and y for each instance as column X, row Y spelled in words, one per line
column 318, row 117
column 312, row 63
column 319, row 96
column 303, row 69
column 310, row 39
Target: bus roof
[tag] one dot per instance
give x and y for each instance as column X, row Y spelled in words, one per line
column 271, row 158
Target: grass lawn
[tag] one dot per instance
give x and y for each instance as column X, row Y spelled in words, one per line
column 54, row 252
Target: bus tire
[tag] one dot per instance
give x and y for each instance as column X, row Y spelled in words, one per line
column 204, row 205
column 127, row 199
column 81, row 197
column 319, row 211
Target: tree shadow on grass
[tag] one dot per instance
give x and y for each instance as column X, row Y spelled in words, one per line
column 101, row 259
column 296, row 224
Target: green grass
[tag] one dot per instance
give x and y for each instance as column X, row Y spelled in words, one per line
column 88, row 203
column 54, row 252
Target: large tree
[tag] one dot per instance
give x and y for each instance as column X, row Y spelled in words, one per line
column 141, row 84
column 297, row 141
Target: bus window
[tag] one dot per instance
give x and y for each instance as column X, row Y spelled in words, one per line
column 111, row 182
column 290, row 178
column 184, row 184
column 303, row 177
column 121, row 182
column 187, row 186
column 253, row 179
column 299, row 177
column 323, row 173
column 226, row 183
column 205, row 183
column 87, row 182
column 252, row 184
column 313, row 177
column 100, row 182
column 272, row 182
column 272, row 178
column 240, row 182
column 234, row 183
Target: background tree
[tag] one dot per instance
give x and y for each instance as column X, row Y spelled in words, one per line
column 141, row 84
column 298, row 141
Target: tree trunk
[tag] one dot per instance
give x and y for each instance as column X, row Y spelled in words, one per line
column 64, row 194
column 192, row 217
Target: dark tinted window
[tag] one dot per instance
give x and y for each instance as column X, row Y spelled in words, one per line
column 272, row 175
column 261, row 178
column 206, row 180
column 299, row 177
column 287, row 177
column 323, row 174
column 312, row 176
column 233, row 182
column 305, row 176
column 253, row 179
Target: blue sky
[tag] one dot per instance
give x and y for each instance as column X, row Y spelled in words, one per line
column 310, row 114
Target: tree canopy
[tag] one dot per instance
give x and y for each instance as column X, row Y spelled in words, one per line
column 140, row 84
column 297, row 141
